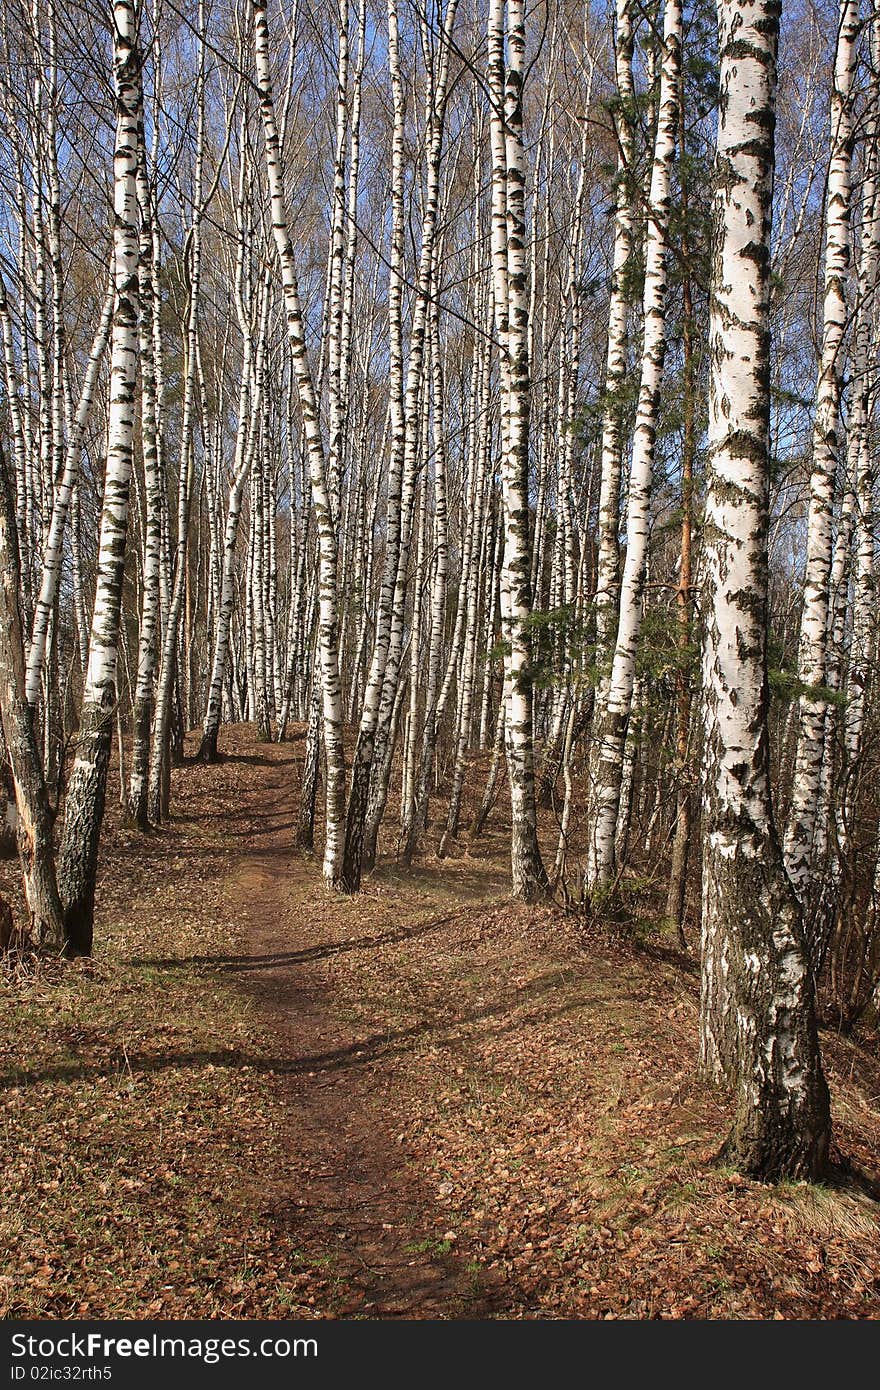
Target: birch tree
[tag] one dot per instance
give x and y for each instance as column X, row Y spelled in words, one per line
column 328, row 629
column 33, row 823
column 78, row 858
column 805, row 838
column 757, row 1025
column 608, row 561
column 612, row 717
column 506, row 76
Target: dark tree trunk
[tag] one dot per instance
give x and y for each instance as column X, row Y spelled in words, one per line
column 305, row 835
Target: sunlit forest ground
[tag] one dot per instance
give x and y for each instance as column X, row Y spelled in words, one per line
column 259, row 1100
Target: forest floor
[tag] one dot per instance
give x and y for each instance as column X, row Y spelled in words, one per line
column 260, row 1100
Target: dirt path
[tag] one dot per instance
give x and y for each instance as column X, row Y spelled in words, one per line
column 264, row 1100
column 488, row 1115
column 355, row 1208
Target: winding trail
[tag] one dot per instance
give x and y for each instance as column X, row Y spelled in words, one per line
column 360, row 1210
column 264, row 1100
column 483, row 1111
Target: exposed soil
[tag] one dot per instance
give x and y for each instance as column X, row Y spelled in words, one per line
column 262, row 1099
column 346, row 1198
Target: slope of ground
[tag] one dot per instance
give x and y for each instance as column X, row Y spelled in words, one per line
column 262, row 1100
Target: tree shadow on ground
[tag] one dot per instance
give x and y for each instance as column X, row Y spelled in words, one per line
column 447, row 1030
column 307, row 953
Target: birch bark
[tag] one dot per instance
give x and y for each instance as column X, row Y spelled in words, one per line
column 805, row 836
column 757, row 1029
column 78, row 857
column 613, row 711
column 33, row 822
column 506, row 81
column 328, row 628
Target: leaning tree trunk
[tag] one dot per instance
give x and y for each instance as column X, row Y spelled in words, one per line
column 53, row 551
column 34, row 826
column 142, row 712
column 78, row 858
column 758, row 1030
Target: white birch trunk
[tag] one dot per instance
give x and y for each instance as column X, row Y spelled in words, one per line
column 805, row 832
column 53, row 551
column 328, row 628
column 376, row 736
column 608, row 564
column 84, row 810
column 757, row 1027
column 33, row 823
column 613, row 712
column 506, row 81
